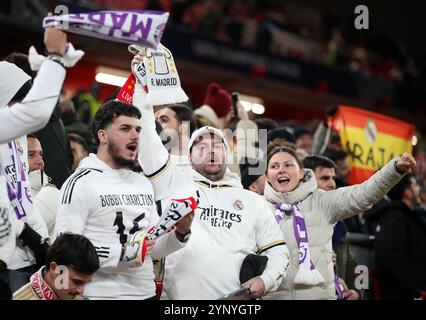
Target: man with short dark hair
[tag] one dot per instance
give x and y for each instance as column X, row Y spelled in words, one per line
column 79, row 149
column 178, row 123
column 324, row 170
column 343, row 167
column 252, row 176
column 71, row 262
column 400, row 244
column 114, row 208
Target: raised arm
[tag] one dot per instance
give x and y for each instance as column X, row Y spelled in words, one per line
column 346, row 202
column 153, row 156
column 34, row 111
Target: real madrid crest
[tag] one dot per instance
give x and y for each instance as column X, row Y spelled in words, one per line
column 370, row 130
column 238, row 205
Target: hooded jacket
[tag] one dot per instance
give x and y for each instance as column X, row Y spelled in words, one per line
column 45, row 197
column 107, row 206
column 229, row 223
column 321, row 210
column 34, row 111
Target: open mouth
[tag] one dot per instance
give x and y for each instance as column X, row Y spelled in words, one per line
column 212, row 161
column 283, row 181
column 132, row 146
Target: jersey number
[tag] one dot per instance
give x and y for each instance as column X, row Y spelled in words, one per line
column 121, row 227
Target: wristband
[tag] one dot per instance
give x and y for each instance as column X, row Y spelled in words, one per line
column 54, row 53
column 183, row 237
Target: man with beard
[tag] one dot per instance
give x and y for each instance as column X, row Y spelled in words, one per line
column 230, row 223
column 114, row 207
column 178, row 122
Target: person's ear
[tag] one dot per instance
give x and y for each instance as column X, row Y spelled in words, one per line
column 408, row 193
column 253, row 187
column 301, row 174
column 102, row 136
column 52, row 269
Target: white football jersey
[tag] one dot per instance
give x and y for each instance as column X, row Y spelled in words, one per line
column 108, row 206
column 229, row 224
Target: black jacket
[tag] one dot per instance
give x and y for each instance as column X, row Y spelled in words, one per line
column 401, row 253
column 56, row 148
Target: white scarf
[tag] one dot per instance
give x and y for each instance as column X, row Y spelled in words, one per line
column 158, row 74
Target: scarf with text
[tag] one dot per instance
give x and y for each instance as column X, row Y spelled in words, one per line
column 306, row 273
column 144, row 28
column 40, row 287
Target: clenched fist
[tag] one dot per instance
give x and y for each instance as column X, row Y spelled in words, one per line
column 406, row 163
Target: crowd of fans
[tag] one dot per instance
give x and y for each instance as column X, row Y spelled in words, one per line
column 107, row 171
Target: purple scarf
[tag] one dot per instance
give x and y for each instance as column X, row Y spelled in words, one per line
column 306, row 274
column 17, row 184
column 144, row 28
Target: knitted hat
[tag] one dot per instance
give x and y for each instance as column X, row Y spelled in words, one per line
column 219, row 99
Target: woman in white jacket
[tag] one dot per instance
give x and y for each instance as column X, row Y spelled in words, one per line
column 306, row 216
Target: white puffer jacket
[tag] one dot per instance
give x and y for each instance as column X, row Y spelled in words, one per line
column 321, row 210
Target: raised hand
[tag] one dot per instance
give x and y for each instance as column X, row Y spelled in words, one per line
column 55, row 40
column 406, row 163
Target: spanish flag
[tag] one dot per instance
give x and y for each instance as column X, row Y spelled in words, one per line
column 371, row 139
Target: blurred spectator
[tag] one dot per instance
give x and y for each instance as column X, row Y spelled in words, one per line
column 280, row 135
column 88, row 103
column 178, row 123
column 79, row 149
column 73, row 125
column 423, row 195
column 250, row 179
column 400, row 244
column 303, row 139
column 57, row 153
column 217, row 106
column 45, row 195
column 266, row 124
column 343, row 168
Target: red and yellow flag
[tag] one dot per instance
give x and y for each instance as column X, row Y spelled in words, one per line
column 371, row 139
column 126, row 92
